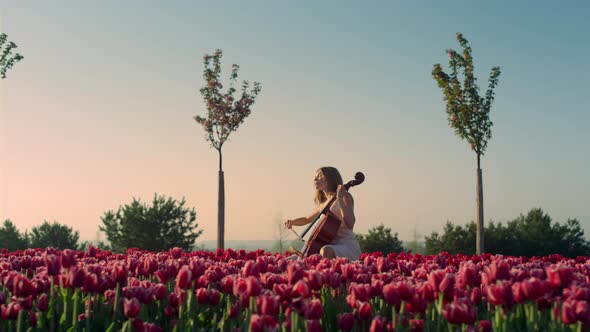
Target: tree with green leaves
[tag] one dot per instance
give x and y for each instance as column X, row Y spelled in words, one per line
column 54, row 235
column 225, row 113
column 379, row 238
column 159, row 227
column 468, row 113
column 7, row 59
column 533, row 234
column 11, row 238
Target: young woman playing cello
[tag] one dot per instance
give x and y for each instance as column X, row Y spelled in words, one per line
column 328, row 183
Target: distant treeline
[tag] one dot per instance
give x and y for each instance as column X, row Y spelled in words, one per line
column 167, row 223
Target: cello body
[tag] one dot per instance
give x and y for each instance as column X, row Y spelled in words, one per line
column 323, row 234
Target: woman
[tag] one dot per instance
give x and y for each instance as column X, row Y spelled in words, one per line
column 328, row 183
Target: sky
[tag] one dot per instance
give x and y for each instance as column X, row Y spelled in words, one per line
column 100, row 111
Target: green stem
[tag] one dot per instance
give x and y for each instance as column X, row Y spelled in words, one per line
column 19, row 323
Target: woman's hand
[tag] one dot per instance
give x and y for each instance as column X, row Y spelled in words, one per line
column 340, row 193
column 288, row 224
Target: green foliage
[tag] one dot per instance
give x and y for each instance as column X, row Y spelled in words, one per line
column 11, row 238
column 380, row 239
column 7, row 59
column 165, row 224
column 532, row 235
column 54, row 235
column 468, row 112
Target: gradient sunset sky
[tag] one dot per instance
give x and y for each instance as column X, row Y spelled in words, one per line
column 101, row 111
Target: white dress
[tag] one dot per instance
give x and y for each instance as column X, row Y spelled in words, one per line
column 345, row 243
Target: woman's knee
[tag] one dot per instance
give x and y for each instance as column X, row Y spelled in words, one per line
column 327, row 252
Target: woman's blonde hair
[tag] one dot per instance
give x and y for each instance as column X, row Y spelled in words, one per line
column 333, row 179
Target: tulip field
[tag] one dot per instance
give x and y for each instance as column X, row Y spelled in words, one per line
column 96, row 290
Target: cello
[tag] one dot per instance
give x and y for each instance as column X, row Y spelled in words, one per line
column 328, row 227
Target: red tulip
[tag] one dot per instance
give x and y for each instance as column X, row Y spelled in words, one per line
column 365, row 311
column 346, row 321
column 460, row 312
column 131, row 307
column 160, row 291
column 532, row 288
column 253, row 286
column 498, row 270
column 518, row 293
column 68, row 258
column 43, row 302
column 559, row 276
column 583, row 311
column 475, row 295
column 499, row 293
column 313, row 309
column 468, row 276
column 214, row 296
column 301, row 289
column 176, row 252
column 485, row 326
column 53, row 263
column 294, row 273
column 201, row 294
column 568, row 312
column 250, row 269
column 313, row 326
column 256, row 323
column 417, row 325
column 391, row 295
column 269, row 305
column 183, row 279
column 315, row 279
column 22, row 287
column 378, row 324
column 335, row 280
column 10, row 311
column 32, row 319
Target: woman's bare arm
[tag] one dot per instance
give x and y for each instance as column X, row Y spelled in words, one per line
column 303, row 220
column 347, row 209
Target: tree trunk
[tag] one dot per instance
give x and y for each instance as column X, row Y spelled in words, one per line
column 220, row 207
column 480, row 236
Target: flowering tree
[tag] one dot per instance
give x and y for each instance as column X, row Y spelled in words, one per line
column 468, row 112
column 225, row 113
column 7, row 59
